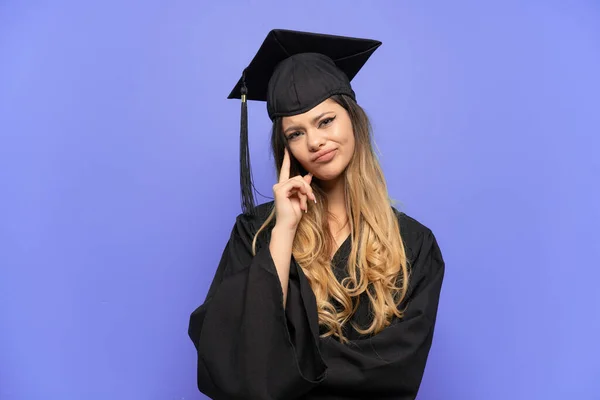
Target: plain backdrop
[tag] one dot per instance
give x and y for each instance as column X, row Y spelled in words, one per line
column 119, row 183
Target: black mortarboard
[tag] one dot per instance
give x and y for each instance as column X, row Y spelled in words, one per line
column 293, row 72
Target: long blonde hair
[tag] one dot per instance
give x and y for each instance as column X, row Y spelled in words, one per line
column 377, row 264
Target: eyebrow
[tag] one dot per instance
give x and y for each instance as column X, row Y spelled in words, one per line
column 314, row 121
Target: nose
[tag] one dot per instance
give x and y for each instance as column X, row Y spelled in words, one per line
column 316, row 139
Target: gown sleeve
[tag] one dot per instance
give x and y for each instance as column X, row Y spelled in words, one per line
column 390, row 364
column 241, row 334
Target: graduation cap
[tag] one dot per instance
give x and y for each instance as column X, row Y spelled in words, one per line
column 292, row 72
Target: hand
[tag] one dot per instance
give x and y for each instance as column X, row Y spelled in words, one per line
column 291, row 196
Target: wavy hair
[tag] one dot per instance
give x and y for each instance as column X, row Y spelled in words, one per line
column 377, row 264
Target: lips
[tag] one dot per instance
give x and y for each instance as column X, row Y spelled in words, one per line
column 325, row 155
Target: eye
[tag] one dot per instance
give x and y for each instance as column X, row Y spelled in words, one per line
column 293, row 135
column 326, row 121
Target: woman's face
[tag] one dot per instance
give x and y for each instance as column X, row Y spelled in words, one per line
column 321, row 139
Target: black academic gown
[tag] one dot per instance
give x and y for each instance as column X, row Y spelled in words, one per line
column 249, row 347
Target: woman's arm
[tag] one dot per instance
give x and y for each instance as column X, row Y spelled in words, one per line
column 281, row 251
column 291, row 196
column 240, row 332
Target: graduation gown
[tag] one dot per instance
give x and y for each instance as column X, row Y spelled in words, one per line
column 250, row 347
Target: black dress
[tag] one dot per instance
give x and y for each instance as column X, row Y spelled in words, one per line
column 249, row 347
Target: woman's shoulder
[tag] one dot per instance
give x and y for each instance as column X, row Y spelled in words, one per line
column 248, row 223
column 410, row 224
column 259, row 215
column 416, row 236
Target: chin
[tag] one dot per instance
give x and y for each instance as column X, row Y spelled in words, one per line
column 330, row 171
column 328, row 174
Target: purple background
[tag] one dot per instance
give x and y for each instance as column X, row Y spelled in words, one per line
column 119, row 185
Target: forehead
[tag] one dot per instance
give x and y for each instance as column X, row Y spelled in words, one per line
column 307, row 117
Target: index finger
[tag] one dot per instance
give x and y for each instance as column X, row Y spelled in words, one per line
column 284, row 174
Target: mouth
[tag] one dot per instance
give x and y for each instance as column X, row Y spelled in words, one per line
column 325, row 157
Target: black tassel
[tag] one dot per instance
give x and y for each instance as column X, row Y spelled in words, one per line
column 245, row 169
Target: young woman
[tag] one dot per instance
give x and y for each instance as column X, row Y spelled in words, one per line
column 327, row 292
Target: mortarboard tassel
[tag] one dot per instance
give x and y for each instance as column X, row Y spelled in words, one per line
column 245, row 171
